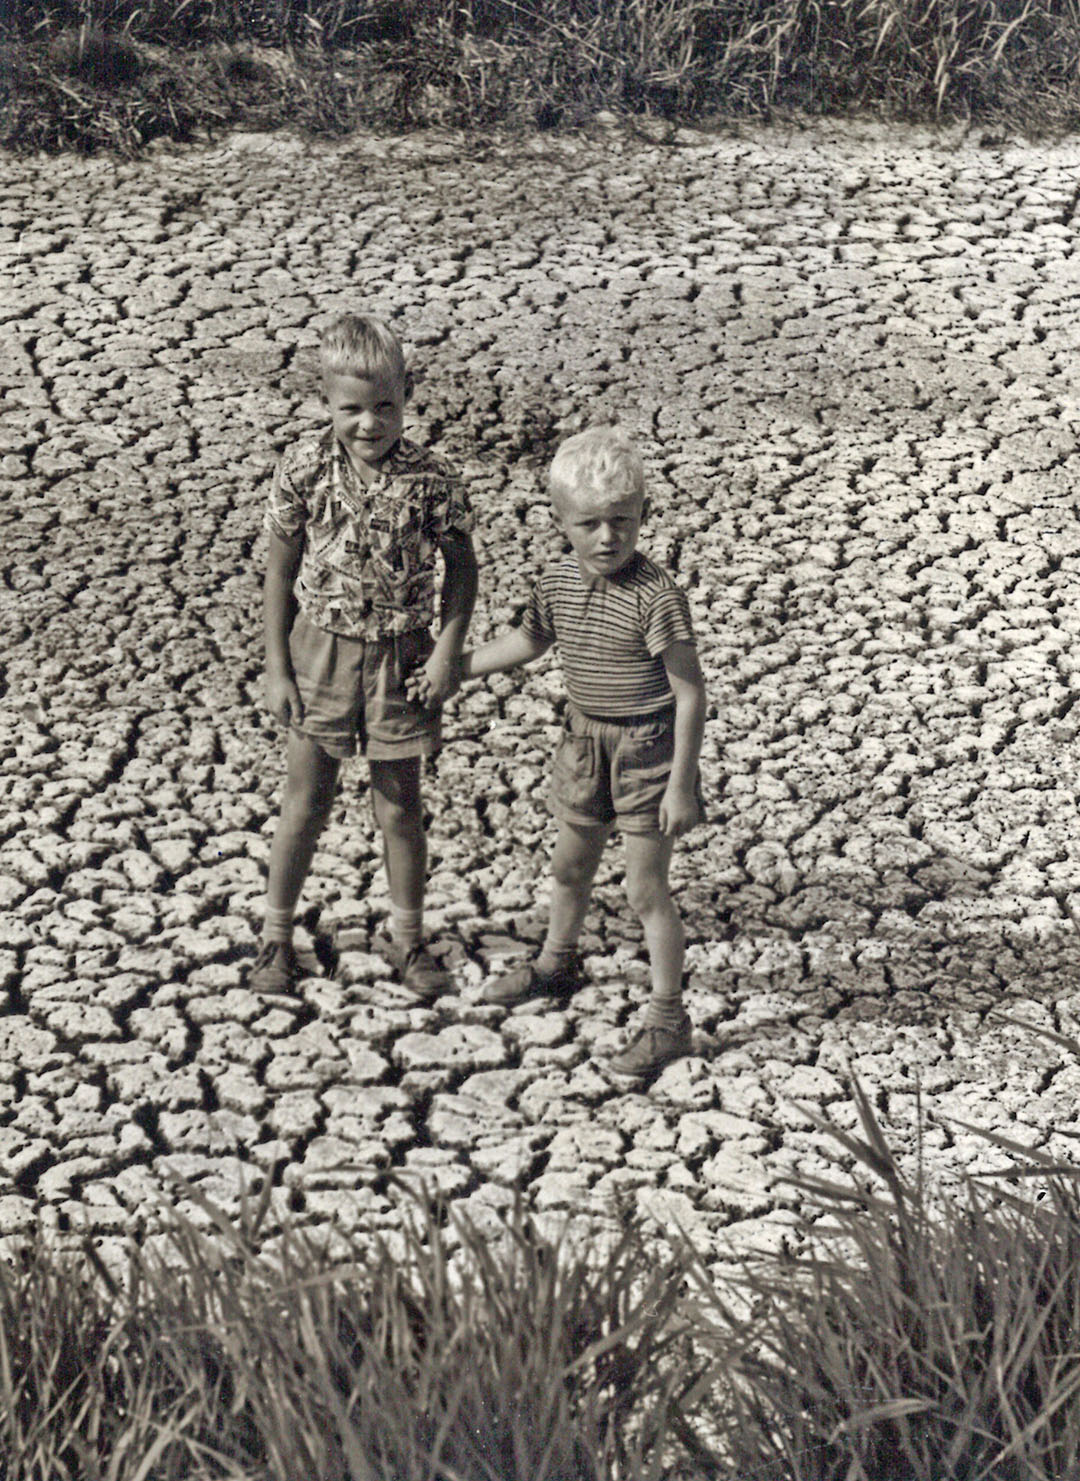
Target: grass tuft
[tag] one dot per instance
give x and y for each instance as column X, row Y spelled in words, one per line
column 440, row 1356
column 918, row 1340
column 95, row 57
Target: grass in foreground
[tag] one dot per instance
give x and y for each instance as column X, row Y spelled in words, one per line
column 501, row 1361
column 115, row 74
column 913, row 1339
column 917, row 1341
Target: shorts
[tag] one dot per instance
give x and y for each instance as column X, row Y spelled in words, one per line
column 608, row 771
column 353, row 693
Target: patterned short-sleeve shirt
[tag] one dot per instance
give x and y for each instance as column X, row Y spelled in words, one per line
column 611, row 633
column 368, row 566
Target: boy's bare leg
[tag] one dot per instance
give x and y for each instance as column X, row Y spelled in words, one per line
column 395, row 794
column 399, row 812
column 310, row 782
column 648, row 858
column 574, row 863
column 556, row 968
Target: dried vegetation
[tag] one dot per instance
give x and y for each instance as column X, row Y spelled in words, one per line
column 115, row 74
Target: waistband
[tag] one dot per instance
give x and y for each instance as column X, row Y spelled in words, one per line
column 648, row 717
column 389, row 639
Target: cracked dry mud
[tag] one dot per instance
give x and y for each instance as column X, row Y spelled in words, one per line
column 850, row 354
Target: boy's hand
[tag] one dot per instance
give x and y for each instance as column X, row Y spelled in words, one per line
column 418, row 688
column 678, row 811
column 434, row 683
column 283, row 698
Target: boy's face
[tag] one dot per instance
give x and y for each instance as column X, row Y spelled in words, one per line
column 367, row 411
column 601, row 527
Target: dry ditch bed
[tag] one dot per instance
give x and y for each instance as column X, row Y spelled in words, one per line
column 851, row 355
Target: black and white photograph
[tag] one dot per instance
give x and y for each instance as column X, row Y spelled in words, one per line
column 539, row 740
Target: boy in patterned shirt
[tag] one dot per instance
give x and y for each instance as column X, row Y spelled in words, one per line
column 636, row 716
column 355, row 518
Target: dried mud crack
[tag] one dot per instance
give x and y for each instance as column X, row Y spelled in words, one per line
column 850, row 355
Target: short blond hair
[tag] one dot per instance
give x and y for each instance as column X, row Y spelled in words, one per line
column 600, row 460
column 361, row 345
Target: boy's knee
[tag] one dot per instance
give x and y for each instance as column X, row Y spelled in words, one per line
column 395, row 786
column 310, row 783
column 571, row 874
column 399, row 821
column 648, row 895
column 400, row 812
column 308, row 804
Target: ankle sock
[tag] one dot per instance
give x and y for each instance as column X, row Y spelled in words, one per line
column 665, row 1012
column 278, row 924
column 555, row 955
column 406, row 926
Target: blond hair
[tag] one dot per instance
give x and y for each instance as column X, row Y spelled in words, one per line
column 598, row 461
column 361, row 345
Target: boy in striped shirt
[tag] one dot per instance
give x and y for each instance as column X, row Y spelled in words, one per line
column 629, row 752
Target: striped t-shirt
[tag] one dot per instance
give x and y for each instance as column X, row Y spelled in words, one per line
column 611, row 632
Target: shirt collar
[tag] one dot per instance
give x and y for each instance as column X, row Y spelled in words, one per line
column 599, row 582
column 397, row 455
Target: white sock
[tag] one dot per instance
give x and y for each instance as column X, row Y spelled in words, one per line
column 665, row 1012
column 556, row 954
column 278, row 924
column 407, row 926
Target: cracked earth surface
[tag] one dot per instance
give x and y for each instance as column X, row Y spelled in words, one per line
column 850, row 354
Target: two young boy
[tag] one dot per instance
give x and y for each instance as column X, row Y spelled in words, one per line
column 356, row 518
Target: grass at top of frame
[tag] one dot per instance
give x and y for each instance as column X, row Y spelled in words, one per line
column 902, row 1335
column 115, row 74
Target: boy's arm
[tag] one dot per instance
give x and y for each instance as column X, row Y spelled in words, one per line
column 439, row 677
column 507, row 651
column 679, row 808
column 282, row 562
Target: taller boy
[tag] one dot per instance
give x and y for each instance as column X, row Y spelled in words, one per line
column 355, row 518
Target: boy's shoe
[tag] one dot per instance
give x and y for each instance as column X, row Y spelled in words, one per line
column 529, row 982
column 276, row 970
column 651, row 1049
column 418, row 971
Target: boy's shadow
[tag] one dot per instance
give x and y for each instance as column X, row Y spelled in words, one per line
column 936, row 947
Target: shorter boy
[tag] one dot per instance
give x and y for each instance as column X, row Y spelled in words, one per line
column 355, row 519
column 636, row 716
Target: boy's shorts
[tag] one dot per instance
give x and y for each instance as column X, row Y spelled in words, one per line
column 608, row 771
column 353, row 693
